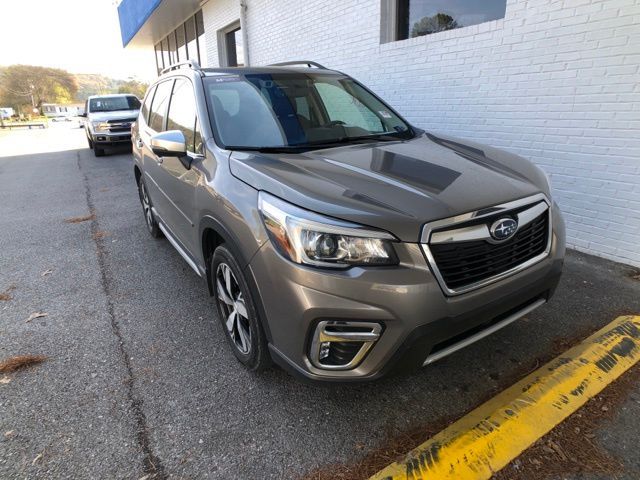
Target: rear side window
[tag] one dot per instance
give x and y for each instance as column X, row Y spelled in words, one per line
column 182, row 112
column 146, row 106
column 159, row 106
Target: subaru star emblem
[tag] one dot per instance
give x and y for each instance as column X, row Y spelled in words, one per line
column 503, row 229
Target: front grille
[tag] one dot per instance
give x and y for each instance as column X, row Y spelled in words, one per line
column 466, row 263
column 123, row 120
column 120, row 125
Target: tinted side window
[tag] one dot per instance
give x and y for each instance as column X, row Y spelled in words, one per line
column 159, row 106
column 182, row 111
column 146, row 106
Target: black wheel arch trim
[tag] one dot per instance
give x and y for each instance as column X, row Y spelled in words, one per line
column 231, row 242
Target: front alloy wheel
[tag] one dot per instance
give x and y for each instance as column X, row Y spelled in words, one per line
column 234, row 310
column 237, row 311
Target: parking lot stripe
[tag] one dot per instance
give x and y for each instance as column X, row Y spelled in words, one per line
column 488, row 438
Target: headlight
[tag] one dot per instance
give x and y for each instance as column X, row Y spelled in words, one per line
column 100, row 126
column 311, row 239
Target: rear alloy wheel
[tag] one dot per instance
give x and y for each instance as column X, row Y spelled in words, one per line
column 149, row 217
column 237, row 311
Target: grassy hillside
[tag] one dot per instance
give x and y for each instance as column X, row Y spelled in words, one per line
column 94, row 84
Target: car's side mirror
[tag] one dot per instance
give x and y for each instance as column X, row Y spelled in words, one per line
column 169, row 144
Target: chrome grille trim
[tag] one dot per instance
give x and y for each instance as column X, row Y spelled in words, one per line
column 539, row 203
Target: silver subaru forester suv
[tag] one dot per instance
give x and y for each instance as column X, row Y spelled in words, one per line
column 338, row 240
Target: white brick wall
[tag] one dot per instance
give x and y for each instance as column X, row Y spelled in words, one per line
column 556, row 81
column 217, row 14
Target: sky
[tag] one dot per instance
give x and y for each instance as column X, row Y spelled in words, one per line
column 81, row 36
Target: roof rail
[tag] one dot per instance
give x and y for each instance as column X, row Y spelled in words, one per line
column 308, row 63
column 190, row 63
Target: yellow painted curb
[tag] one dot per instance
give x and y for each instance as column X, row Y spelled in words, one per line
column 492, row 435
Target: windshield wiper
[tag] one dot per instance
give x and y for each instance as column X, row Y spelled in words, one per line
column 382, row 137
column 301, row 147
column 282, row 149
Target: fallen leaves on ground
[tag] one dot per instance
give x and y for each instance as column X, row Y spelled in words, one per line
column 5, row 380
column 35, row 315
column 20, row 361
column 6, row 295
column 84, row 218
column 100, row 234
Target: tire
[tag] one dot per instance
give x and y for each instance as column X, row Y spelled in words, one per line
column 98, row 152
column 149, row 217
column 244, row 332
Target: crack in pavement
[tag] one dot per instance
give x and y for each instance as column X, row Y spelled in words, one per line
column 152, row 466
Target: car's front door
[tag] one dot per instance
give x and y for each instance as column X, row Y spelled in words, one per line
column 174, row 177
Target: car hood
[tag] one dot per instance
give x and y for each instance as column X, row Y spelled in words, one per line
column 117, row 115
column 394, row 186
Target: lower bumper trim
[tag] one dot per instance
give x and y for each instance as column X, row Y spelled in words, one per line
column 434, row 357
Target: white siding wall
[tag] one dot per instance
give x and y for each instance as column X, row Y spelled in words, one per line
column 555, row 81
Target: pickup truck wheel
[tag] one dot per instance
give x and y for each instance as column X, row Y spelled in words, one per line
column 237, row 311
column 149, row 217
column 98, row 152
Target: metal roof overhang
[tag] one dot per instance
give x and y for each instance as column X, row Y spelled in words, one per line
column 144, row 23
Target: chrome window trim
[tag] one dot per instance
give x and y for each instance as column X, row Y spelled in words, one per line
column 470, row 233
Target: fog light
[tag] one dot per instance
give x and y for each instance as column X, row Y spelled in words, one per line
column 324, row 349
column 342, row 345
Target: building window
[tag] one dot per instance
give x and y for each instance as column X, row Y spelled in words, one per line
column 202, row 44
column 165, row 52
column 159, row 60
column 192, row 43
column 402, row 19
column 182, row 46
column 230, row 47
column 186, row 42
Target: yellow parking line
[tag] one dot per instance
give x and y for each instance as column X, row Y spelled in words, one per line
column 491, row 436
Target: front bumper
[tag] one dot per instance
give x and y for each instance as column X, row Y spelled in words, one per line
column 108, row 139
column 417, row 317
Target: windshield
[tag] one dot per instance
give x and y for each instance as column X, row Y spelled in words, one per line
column 112, row 104
column 297, row 110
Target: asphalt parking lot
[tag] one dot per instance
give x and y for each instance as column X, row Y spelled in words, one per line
column 139, row 381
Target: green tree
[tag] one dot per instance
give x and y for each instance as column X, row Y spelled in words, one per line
column 22, row 85
column 133, row 86
column 437, row 23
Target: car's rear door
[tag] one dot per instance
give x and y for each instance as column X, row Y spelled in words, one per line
column 151, row 163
